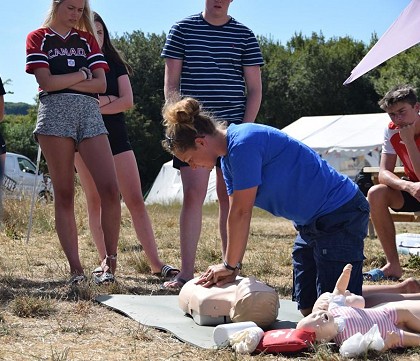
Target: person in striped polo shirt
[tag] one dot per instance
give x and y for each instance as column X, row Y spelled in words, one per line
column 215, row 59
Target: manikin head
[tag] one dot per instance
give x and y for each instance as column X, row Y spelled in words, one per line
column 322, row 323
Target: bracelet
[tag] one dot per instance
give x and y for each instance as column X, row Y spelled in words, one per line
column 110, row 101
column 230, row 268
column 84, row 72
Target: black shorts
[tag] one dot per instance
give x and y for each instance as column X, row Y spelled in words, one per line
column 118, row 137
column 411, row 204
column 178, row 163
column 2, row 145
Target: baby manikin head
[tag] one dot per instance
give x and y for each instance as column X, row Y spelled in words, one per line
column 322, row 323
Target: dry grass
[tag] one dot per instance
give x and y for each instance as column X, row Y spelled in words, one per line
column 42, row 318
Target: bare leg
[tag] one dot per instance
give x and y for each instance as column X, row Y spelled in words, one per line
column 410, row 339
column 381, row 197
column 223, row 208
column 93, row 205
column 408, row 314
column 130, row 186
column 410, row 285
column 408, row 320
column 194, row 183
column 96, row 153
column 59, row 153
column 376, row 299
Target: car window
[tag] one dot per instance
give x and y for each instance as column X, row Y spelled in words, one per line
column 26, row 165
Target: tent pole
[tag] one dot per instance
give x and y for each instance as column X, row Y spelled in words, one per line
column 38, row 159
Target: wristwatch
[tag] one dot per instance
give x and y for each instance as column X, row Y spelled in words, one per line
column 231, row 268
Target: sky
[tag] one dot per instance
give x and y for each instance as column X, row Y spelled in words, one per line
column 278, row 20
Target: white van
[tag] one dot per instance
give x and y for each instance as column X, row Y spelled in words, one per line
column 19, row 179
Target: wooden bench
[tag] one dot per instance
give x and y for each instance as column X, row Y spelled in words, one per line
column 396, row 216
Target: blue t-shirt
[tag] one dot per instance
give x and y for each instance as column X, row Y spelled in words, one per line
column 213, row 60
column 293, row 181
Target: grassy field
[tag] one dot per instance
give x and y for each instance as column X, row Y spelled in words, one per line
column 42, row 318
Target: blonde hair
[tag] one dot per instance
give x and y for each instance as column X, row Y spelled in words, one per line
column 185, row 121
column 85, row 23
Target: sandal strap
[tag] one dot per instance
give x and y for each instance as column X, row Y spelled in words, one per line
column 104, row 264
column 167, row 270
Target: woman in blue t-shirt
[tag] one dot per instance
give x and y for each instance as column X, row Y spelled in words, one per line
column 263, row 166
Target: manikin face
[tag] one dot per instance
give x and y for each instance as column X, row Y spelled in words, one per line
column 68, row 14
column 99, row 33
column 320, row 322
column 403, row 114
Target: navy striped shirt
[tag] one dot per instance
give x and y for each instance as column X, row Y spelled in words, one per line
column 213, row 60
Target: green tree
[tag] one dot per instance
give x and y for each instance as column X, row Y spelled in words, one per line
column 403, row 68
column 17, row 131
column 305, row 78
column 16, row 108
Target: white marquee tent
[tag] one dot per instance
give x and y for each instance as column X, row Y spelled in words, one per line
column 347, row 142
column 167, row 187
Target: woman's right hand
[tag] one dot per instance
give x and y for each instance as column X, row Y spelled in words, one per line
column 217, row 275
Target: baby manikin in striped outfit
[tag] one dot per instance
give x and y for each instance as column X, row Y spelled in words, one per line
column 339, row 315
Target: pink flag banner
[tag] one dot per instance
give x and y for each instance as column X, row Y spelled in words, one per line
column 401, row 35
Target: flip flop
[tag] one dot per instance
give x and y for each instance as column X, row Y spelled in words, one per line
column 376, row 275
column 167, row 272
column 174, row 284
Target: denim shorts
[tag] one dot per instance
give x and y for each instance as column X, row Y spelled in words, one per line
column 325, row 246
column 70, row 116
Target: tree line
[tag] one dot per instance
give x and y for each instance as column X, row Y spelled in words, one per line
column 304, row 77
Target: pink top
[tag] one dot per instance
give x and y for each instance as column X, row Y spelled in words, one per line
column 362, row 319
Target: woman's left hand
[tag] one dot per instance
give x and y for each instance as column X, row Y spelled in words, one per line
column 217, row 275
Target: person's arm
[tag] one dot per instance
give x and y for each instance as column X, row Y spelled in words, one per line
column 323, row 301
column 387, row 177
column 173, row 69
column 407, row 134
column 238, row 224
column 50, row 83
column 386, row 171
column 95, row 85
column 252, row 75
column 343, row 281
column 393, row 340
column 113, row 104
